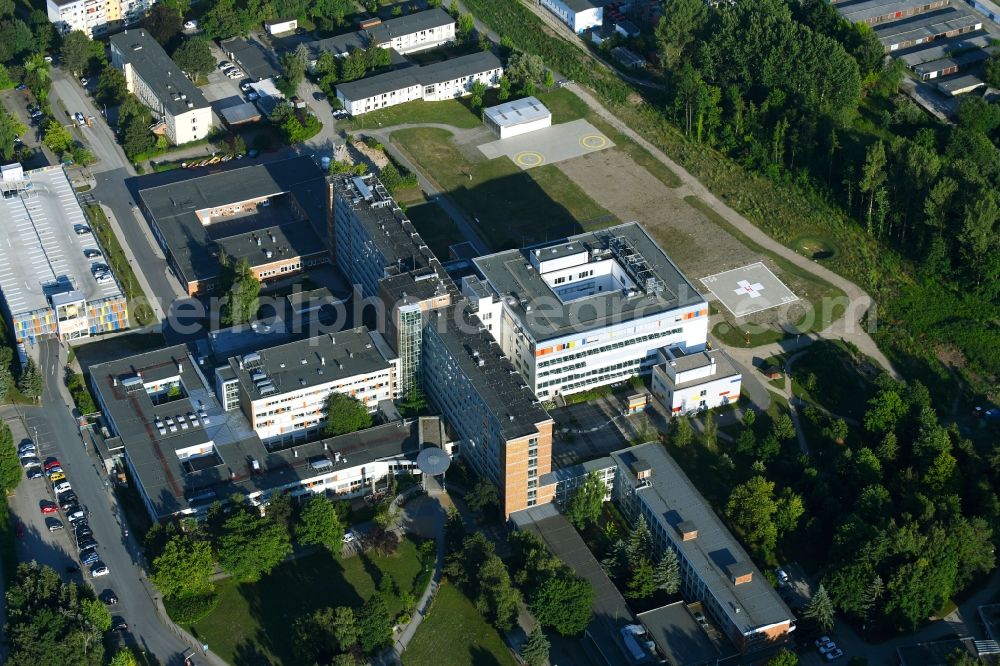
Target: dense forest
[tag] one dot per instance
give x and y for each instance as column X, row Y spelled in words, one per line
column 793, row 91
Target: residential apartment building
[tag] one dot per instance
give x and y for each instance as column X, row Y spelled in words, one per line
column 405, row 34
column 714, row 567
column 283, row 390
column 95, row 17
column 433, row 83
column 504, row 433
column 686, row 383
column 579, row 15
column 587, row 311
column 153, row 77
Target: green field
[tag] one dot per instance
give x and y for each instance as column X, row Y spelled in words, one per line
column 513, row 207
column 252, row 623
column 455, row 634
column 457, row 113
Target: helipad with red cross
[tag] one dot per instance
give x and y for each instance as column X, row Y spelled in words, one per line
column 749, row 289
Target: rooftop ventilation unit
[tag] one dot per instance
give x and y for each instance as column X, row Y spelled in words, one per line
column 251, row 360
column 132, row 384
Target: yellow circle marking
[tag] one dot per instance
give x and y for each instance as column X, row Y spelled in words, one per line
column 593, row 141
column 529, row 158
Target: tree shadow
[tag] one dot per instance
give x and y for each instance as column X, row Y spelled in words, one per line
column 482, row 657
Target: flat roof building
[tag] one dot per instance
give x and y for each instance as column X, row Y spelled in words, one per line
column 715, row 569
column 518, row 117
column 258, row 63
column 579, row 15
column 443, row 80
column 939, row 49
column 688, row 383
column 587, row 311
column 418, row 31
column 952, row 64
column 153, row 77
column 505, row 434
column 951, row 21
column 49, row 284
column 874, row 12
column 283, row 390
column 273, row 215
column 960, row 85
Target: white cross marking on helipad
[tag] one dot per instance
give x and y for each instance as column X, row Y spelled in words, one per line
column 751, row 290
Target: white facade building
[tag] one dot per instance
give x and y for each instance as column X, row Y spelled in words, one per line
column 518, row 117
column 686, row 383
column 579, row 15
column 153, row 77
column 588, row 311
column 433, row 83
column 414, row 32
column 95, row 17
column 283, row 390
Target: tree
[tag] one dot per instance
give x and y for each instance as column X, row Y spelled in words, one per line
column 414, row 401
column 478, row 90
column 345, row 414
column 241, row 302
column 710, row 433
column 57, row 137
column 280, row 510
column 498, row 600
column 30, row 382
column 6, row 8
column 640, row 543
column 785, row 657
column 79, row 51
column 163, row 23
column 667, row 575
column 184, row 568
column 195, row 57
column 783, row 428
column 585, row 506
column 682, row 433
column 96, row 613
column 503, row 93
column 323, row 633
column 535, row 651
column 124, row 657
column 374, row 624
column 319, row 523
column 294, row 65
column 681, row 21
column 466, row 29
column 38, row 76
column 788, row 510
column 10, row 127
column 884, row 411
column 483, row 496
column 991, row 71
column 751, row 507
column 17, row 39
column 563, row 602
column 820, row 610
column 10, row 464
column 250, row 546
column 642, row 583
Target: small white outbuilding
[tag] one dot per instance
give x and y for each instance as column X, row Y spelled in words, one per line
column 518, row 117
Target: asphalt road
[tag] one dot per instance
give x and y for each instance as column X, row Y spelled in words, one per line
column 57, row 430
column 68, row 96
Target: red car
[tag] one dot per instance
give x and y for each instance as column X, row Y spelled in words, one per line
column 49, row 464
column 49, row 507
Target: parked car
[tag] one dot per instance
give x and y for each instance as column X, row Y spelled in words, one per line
column 89, row 556
column 823, row 640
column 83, row 532
column 119, row 624
column 68, row 500
column 53, row 470
column 21, row 86
column 224, row 65
column 109, row 597
column 834, row 654
column 245, row 86
column 783, row 577
column 252, row 96
column 87, row 542
column 101, row 569
column 80, row 120
column 91, row 253
column 56, row 477
column 350, row 536
column 26, row 448
column 47, row 508
column 30, row 461
column 48, row 58
column 190, row 25
column 34, row 473
column 81, row 229
column 62, row 487
column 74, row 514
column 50, row 463
column 54, row 524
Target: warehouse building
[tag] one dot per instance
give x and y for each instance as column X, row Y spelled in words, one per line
column 950, row 22
column 951, row 65
column 440, row 81
column 185, row 452
column 579, row 15
column 587, row 311
column 273, row 215
column 153, row 77
column 940, row 49
column 715, row 569
column 49, row 284
column 874, row 12
column 962, row 84
column 518, row 117
column 283, row 390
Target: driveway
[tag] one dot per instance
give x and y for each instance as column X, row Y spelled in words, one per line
column 67, row 94
column 53, row 427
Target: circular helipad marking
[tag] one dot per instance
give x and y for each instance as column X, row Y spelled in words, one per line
column 529, row 158
column 593, row 141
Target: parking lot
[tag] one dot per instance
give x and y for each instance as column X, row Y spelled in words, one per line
column 221, row 91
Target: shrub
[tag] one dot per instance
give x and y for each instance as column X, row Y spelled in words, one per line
column 188, row 610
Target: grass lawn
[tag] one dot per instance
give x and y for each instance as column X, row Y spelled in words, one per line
column 457, row 113
column 513, row 207
column 435, row 227
column 252, row 623
column 826, row 303
column 455, row 634
column 139, row 312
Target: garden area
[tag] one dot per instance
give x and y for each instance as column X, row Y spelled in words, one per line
column 252, row 622
column 513, row 207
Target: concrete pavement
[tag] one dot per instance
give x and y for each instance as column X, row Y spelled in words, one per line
column 98, row 137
